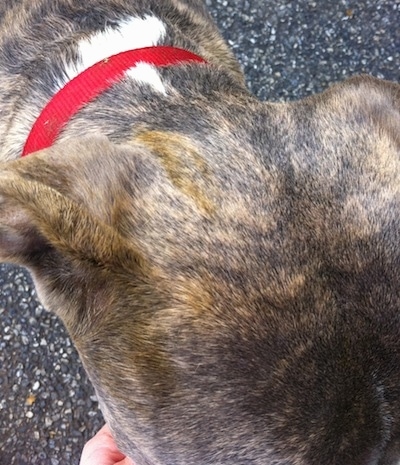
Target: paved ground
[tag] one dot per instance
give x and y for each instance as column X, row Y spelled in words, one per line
column 288, row 49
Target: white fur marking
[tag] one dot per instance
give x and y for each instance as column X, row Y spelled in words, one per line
column 132, row 33
column 147, row 74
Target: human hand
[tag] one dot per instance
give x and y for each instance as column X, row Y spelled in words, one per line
column 102, row 450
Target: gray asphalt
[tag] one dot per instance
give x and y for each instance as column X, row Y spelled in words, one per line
column 288, row 49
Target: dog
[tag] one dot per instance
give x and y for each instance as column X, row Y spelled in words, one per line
column 228, row 269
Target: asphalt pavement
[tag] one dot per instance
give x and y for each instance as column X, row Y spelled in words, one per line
column 288, row 49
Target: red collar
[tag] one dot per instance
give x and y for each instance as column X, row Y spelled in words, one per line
column 91, row 83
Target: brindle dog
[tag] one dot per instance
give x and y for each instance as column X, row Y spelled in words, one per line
column 227, row 269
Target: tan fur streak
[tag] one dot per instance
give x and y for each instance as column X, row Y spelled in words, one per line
column 185, row 167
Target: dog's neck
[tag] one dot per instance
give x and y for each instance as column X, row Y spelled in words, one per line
column 94, row 80
column 130, row 51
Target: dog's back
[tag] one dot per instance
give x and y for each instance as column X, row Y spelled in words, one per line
column 231, row 283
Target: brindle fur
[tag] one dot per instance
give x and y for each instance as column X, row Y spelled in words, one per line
column 227, row 269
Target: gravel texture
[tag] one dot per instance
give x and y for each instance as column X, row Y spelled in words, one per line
column 288, row 49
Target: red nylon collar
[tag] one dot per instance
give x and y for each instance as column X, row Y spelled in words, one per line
column 91, row 83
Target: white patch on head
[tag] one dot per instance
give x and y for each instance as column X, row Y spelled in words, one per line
column 132, row 33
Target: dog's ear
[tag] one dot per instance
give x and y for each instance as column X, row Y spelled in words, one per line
column 57, row 237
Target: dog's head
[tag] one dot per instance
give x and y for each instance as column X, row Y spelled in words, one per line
column 233, row 294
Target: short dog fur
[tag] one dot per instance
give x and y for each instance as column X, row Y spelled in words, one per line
column 227, row 269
